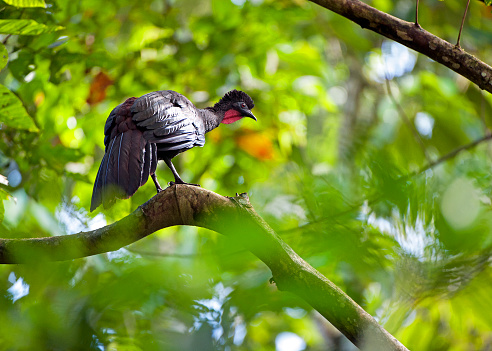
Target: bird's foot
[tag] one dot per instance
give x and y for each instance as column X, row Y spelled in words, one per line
column 157, row 185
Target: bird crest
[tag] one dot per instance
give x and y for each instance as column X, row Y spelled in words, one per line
column 235, row 96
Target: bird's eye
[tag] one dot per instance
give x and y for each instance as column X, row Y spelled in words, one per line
column 243, row 105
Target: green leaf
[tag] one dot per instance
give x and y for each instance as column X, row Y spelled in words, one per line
column 21, row 66
column 2, row 210
column 3, row 196
column 4, row 56
column 25, row 27
column 26, row 3
column 226, row 12
column 13, row 112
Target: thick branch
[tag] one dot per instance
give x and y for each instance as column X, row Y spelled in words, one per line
column 190, row 205
column 414, row 37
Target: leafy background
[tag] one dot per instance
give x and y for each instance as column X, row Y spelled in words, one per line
column 343, row 163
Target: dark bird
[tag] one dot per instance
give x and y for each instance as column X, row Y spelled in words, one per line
column 157, row 126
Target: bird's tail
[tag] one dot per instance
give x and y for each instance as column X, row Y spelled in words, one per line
column 127, row 163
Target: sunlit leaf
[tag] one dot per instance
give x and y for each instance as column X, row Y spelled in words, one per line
column 258, row 145
column 26, row 27
column 329, row 165
column 13, row 114
column 3, row 196
column 4, row 56
column 26, row 3
column 2, row 208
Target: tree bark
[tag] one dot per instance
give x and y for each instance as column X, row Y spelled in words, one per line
column 190, row 205
column 413, row 37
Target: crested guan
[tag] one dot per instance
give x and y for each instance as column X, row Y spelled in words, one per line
column 156, row 126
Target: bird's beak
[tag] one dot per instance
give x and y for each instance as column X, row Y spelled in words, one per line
column 250, row 115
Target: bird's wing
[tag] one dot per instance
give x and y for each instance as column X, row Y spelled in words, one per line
column 168, row 119
column 135, row 130
column 128, row 161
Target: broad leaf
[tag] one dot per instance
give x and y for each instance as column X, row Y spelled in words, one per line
column 26, row 3
column 4, row 56
column 13, row 112
column 22, row 65
column 3, row 196
column 25, row 27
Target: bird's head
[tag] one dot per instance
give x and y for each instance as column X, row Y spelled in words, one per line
column 236, row 105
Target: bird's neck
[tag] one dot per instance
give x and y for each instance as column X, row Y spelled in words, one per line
column 211, row 118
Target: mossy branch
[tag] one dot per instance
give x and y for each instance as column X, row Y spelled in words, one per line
column 235, row 217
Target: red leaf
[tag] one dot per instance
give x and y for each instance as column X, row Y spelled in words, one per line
column 97, row 92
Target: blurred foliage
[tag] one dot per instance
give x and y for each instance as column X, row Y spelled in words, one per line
column 331, row 164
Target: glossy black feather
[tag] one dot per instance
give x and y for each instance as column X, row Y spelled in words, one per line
column 147, row 157
column 141, row 131
column 154, row 159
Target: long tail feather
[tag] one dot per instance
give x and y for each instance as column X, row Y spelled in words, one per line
column 125, row 167
column 98, row 185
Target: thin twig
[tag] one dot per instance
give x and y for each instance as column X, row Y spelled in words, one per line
column 417, row 15
column 4, row 41
column 353, row 208
column 406, row 33
column 462, row 23
column 405, row 119
column 378, row 196
column 454, row 153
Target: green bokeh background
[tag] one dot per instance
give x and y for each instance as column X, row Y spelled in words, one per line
column 331, row 165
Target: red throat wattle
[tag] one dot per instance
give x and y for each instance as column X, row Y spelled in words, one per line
column 231, row 116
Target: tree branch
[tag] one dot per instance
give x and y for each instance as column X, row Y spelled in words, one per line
column 413, row 37
column 453, row 153
column 235, row 217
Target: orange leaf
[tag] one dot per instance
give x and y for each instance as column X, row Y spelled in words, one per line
column 258, row 145
column 97, row 92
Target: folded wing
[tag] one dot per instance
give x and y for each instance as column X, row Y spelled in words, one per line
column 137, row 132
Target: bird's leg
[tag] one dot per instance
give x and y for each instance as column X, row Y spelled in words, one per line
column 157, row 185
column 177, row 178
